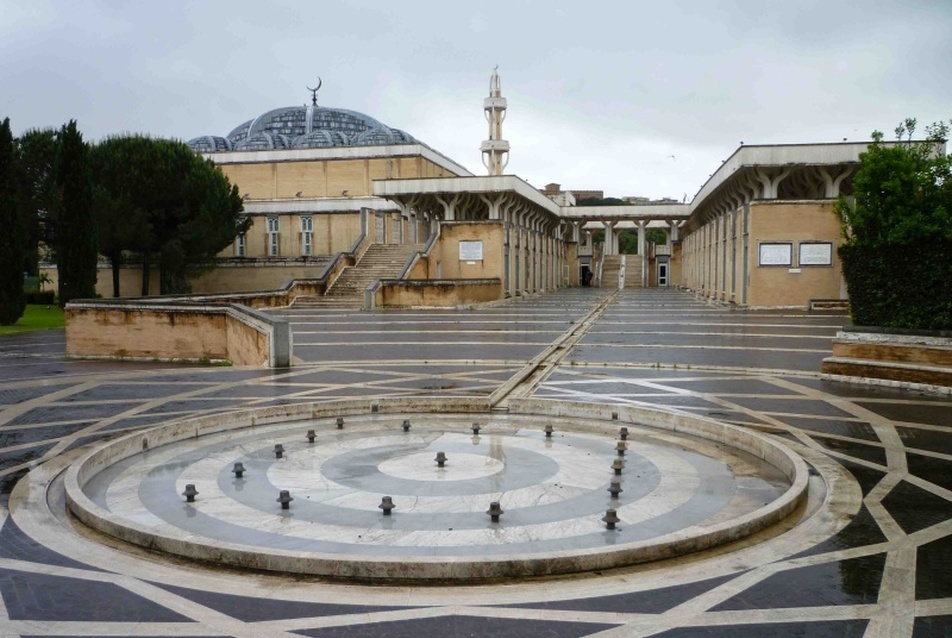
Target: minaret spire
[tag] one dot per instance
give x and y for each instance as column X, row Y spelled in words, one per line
column 495, row 149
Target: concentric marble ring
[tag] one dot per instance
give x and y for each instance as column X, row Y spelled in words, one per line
column 688, row 484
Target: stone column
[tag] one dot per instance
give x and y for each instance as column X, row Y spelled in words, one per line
column 643, row 252
column 610, row 247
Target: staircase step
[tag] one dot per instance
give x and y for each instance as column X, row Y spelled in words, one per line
column 892, row 370
column 379, row 262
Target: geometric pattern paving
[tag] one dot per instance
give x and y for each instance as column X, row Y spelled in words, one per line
column 885, row 569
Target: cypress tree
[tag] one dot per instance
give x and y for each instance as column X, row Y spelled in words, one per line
column 11, row 240
column 77, row 248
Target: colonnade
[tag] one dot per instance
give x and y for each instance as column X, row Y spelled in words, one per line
column 720, row 251
column 534, row 244
column 610, row 246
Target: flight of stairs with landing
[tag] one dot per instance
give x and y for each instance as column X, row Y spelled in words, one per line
column 633, row 271
column 381, row 261
column 611, row 265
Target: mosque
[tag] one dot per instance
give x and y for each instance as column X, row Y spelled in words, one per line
column 319, row 182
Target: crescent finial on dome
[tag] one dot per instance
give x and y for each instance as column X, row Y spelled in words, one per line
column 315, row 90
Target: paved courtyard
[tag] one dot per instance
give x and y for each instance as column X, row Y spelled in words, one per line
column 878, row 564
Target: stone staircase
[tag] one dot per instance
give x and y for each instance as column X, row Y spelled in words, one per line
column 611, row 265
column 633, row 271
column 381, row 261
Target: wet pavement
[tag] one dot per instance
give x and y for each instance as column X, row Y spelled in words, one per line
column 886, row 572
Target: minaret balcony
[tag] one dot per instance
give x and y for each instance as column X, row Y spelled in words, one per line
column 495, row 145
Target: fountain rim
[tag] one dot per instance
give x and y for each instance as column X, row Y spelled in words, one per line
column 439, row 568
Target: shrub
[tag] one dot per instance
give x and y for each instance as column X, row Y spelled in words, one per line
column 39, row 297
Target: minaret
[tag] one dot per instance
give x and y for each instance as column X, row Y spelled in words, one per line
column 495, row 149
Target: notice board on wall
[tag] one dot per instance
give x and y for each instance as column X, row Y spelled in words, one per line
column 776, row 254
column 816, row 254
column 471, row 251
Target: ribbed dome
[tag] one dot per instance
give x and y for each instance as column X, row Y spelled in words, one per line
column 210, row 144
column 322, row 139
column 308, row 126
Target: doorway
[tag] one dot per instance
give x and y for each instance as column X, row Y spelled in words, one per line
column 584, row 275
column 662, row 273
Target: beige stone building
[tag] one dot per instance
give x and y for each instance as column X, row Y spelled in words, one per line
column 762, row 232
column 319, row 183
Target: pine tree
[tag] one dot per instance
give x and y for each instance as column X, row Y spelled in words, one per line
column 77, row 249
column 11, row 240
column 166, row 204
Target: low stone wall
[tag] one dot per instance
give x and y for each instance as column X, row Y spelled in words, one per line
column 259, row 299
column 433, row 293
column 118, row 329
column 905, row 358
column 237, row 275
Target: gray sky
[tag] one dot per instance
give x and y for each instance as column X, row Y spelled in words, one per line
column 601, row 94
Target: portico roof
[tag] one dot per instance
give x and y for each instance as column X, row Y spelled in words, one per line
column 401, row 188
column 648, row 212
column 776, row 155
column 435, row 194
column 805, row 171
column 469, row 197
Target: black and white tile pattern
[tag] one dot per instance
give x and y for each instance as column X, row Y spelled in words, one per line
column 885, row 572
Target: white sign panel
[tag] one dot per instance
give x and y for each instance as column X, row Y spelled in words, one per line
column 776, row 254
column 470, row 251
column 820, row 254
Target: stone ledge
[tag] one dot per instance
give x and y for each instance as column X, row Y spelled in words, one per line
column 431, row 293
column 909, row 386
column 940, row 376
column 905, row 356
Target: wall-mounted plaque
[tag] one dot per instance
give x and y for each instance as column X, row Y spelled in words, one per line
column 776, row 254
column 816, row 254
column 470, row 251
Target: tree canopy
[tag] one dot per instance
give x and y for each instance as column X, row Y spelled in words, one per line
column 898, row 230
column 11, row 239
column 901, row 192
column 38, row 195
column 76, row 244
column 159, row 200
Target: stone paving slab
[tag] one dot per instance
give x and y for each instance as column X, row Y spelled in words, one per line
column 885, row 573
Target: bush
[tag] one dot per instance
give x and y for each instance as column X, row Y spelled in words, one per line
column 39, row 297
column 898, row 230
column 900, row 285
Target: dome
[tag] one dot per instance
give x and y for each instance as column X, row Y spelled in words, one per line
column 308, row 126
column 321, row 139
column 263, row 142
column 380, row 136
column 209, row 144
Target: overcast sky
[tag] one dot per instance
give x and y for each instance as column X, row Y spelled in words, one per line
column 631, row 97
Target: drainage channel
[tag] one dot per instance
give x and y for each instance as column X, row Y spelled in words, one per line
column 523, row 383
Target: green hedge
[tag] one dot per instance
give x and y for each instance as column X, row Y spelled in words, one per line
column 900, row 285
column 41, row 298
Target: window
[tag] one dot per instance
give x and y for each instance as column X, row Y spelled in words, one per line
column 307, row 234
column 273, row 230
column 240, row 245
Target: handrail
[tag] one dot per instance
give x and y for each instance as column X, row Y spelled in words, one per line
column 424, row 252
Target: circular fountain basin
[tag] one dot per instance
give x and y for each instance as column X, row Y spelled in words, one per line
column 688, row 484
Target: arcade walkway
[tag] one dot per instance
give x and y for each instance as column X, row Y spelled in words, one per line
column 887, row 572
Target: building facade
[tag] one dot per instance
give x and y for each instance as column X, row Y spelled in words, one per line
column 760, row 232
